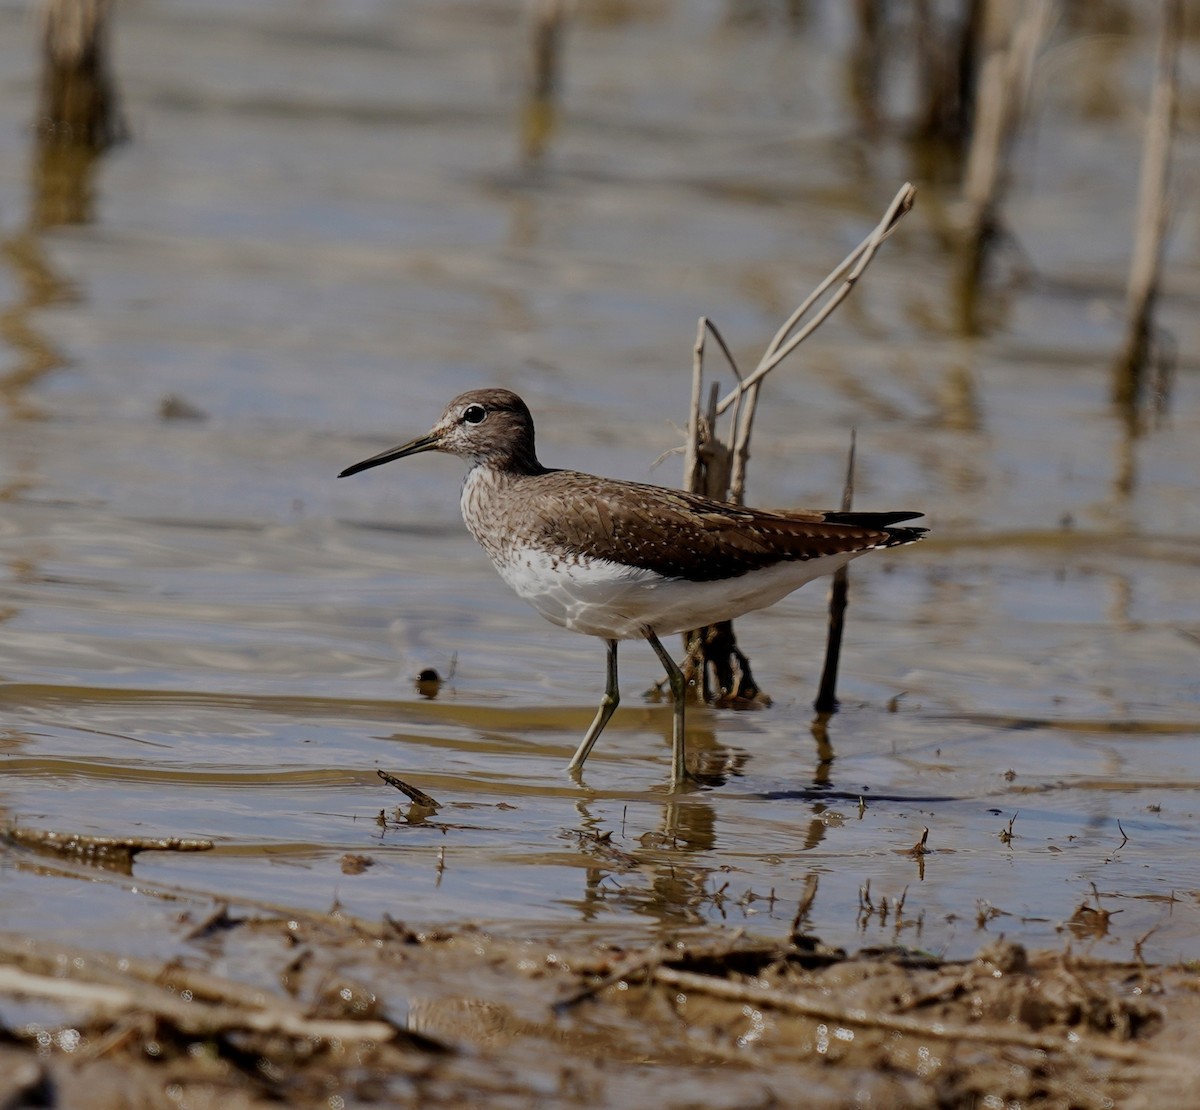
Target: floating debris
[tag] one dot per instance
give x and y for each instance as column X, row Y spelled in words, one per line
column 419, row 797
column 114, row 852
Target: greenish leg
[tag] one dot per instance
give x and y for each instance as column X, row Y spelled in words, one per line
column 608, row 706
column 679, row 771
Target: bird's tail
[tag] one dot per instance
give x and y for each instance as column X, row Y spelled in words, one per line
column 881, row 522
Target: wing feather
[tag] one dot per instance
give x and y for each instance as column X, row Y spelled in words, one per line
column 681, row 535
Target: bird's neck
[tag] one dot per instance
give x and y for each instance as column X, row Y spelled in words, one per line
column 518, row 463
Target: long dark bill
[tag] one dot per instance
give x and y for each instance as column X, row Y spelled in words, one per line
column 425, row 443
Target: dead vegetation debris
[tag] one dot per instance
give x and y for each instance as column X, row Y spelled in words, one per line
column 379, row 1013
column 113, row 853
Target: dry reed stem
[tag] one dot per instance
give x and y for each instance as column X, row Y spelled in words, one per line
column 548, row 17
column 839, row 599
column 78, row 102
column 1004, row 83
column 744, row 394
column 856, row 262
column 701, row 449
column 717, row 471
column 691, row 458
column 1152, row 211
column 785, row 342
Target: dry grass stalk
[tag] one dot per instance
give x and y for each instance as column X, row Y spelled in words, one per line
column 703, row 441
column 791, row 334
column 717, row 469
column 1152, row 214
column 1004, row 84
column 1003, row 95
column 706, row 458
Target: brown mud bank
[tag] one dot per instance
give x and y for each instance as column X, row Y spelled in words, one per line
column 306, row 1010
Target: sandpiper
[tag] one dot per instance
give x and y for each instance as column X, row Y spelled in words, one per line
column 622, row 560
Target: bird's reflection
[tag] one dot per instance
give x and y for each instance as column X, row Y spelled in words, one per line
column 672, row 872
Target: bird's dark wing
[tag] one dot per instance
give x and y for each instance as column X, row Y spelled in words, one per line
column 681, row 535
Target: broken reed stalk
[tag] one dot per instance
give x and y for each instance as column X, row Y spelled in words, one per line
column 718, row 470
column 78, row 101
column 1145, row 268
column 706, row 471
column 706, row 459
column 1005, row 79
column 839, row 598
column 691, row 455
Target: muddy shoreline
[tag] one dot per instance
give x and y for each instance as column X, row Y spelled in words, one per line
column 324, row 1009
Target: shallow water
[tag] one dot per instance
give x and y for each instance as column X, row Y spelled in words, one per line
column 323, row 228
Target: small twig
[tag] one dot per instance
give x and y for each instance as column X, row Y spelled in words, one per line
column 419, row 797
column 1124, row 837
column 920, row 849
column 716, row 334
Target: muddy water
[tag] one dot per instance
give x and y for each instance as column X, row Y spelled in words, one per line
column 324, row 227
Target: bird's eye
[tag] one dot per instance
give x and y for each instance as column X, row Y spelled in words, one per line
column 474, row 414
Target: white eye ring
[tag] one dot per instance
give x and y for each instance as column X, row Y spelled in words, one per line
column 474, row 414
